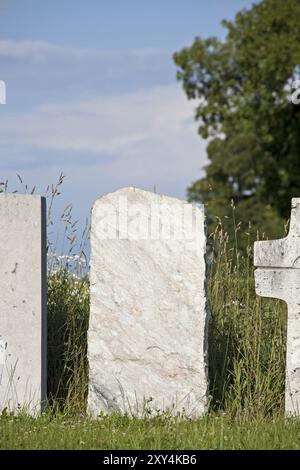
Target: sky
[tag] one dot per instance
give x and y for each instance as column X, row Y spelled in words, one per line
column 92, row 93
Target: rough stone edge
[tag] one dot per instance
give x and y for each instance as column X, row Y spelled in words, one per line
column 207, row 312
column 139, row 190
column 44, row 306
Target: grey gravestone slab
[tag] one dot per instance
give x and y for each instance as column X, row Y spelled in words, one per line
column 22, row 302
column 278, row 275
column 147, row 339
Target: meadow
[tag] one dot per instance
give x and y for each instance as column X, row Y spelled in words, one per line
column 247, row 340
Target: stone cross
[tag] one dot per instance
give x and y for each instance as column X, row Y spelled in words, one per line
column 147, row 339
column 23, row 329
column 278, row 275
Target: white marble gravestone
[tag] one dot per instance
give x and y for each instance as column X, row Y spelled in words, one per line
column 147, row 339
column 22, row 302
column 278, row 275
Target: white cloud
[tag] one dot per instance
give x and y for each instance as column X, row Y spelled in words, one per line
column 26, row 49
column 104, row 118
column 145, row 133
column 37, row 71
column 33, row 49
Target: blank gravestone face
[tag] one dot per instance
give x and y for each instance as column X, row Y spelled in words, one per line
column 22, row 302
column 278, row 275
column 148, row 322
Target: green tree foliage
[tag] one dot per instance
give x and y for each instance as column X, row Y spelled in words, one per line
column 242, row 86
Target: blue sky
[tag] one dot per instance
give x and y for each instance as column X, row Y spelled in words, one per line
column 92, row 93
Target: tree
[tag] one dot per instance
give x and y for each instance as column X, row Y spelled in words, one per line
column 243, row 85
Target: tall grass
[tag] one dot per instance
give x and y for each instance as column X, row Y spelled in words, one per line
column 68, row 308
column 68, row 315
column 247, row 336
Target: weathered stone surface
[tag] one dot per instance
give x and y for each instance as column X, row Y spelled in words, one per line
column 22, row 302
column 147, row 342
column 279, row 276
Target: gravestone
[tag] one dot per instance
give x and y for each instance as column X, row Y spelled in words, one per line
column 22, row 302
column 147, row 339
column 278, row 275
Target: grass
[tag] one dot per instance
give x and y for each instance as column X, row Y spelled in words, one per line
column 247, row 340
column 68, row 315
column 115, row 432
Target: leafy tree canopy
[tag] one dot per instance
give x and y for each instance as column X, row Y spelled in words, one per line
column 242, row 86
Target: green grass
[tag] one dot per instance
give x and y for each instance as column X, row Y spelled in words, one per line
column 116, row 432
column 68, row 315
column 247, row 338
